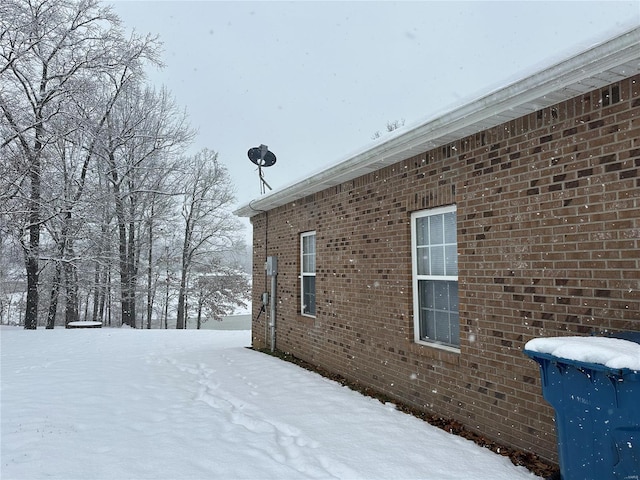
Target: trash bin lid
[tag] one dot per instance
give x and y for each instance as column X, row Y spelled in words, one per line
column 630, row 336
column 595, row 352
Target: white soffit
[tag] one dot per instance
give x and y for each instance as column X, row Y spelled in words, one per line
column 607, row 63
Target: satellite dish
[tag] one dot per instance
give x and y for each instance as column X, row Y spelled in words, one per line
column 262, row 157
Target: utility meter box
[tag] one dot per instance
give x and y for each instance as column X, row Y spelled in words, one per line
column 271, row 266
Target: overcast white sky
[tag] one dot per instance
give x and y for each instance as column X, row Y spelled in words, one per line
column 315, row 80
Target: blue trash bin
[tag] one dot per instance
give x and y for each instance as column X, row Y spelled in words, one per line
column 597, row 412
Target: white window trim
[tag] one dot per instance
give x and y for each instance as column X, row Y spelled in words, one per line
column 307, row 274
column 415, row 277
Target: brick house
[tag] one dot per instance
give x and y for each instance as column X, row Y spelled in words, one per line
column 421, row 266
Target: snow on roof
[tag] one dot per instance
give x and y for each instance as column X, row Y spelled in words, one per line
column 611, row 352
column 606, row 63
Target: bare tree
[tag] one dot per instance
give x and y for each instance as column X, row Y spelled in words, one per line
column 219, row 290
column 209, row 228
column 159, row 218
column 91, row 187
column 55, row 54
column 143, row 130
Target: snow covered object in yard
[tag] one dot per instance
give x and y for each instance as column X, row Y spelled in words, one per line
column 84, row 324
column 593, row 383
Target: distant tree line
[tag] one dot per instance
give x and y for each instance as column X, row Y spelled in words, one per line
column 113, row 220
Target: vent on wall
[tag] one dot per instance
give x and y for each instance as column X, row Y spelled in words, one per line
column 448, row 150
column 610, row 95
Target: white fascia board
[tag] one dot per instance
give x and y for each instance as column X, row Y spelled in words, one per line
column 547, row 87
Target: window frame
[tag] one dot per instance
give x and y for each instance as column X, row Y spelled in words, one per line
column 309, row 274
column 416, row 278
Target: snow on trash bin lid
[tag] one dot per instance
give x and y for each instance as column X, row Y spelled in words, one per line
column 610, row 352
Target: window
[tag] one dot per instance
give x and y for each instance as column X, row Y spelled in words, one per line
column 435, row 276
column 308, row 273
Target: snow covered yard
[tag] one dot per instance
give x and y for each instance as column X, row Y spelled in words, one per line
column 166, row 404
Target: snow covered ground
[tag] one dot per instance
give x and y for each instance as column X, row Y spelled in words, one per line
column 166, row 404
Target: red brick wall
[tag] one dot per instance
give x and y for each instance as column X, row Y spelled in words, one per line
column 548, row 239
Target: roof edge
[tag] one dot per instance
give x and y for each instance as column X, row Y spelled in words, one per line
column 616, row 51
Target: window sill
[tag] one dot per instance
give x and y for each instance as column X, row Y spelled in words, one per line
column 439, row 346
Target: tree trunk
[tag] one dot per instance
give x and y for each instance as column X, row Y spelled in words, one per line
column 166, row 305
column 96, row 294
column 150, row 268
column 53, row 302
column 133, row 254
column 31, row 313
column 180, row 322
column 33, row 248
column 186, row 264
column 102, row 296
column 71, row 283
column 108, row 295
column 127, row 300
column 71, row 288
column 124, row 277
column 103, row 272
column 200, row 303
